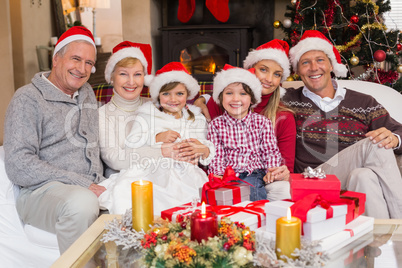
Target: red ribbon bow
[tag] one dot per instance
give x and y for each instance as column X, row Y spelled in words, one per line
column 255, row 208
column 228, row 180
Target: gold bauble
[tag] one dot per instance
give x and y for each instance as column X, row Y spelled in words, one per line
column 296, row 76
column 399, row 68
column 293, row 2
column 354, row 60
column 277, row 24
column 290, row 78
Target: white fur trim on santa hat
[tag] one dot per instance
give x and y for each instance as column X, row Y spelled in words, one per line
column 315, row 43
column 236, row 75
column 70, row 39
column 269, row 54
column 174, row 76
column 132, row 52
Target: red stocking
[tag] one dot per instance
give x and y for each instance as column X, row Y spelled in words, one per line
column 219, row 8
column 185, row 10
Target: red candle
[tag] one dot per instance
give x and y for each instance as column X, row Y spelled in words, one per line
column 204, row 224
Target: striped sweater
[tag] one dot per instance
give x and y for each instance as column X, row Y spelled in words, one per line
column 321, row 135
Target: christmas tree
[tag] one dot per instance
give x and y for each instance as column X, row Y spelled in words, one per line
column 357, row 30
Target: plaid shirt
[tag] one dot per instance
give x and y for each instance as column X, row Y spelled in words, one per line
column 246, row 145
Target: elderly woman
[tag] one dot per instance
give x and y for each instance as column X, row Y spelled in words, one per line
column 128, row 69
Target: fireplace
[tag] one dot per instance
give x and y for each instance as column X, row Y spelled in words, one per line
column 203, row 49
column 204, row 45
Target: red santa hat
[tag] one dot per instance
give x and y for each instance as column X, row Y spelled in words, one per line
column 231, row 74
column 173, row 72
column 74, row 34
column 315, row 40
column 276, row 50
column 126, row 49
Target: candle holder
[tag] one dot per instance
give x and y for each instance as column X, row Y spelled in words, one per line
column 288, row 233
column 142, row 205
column 204, row 224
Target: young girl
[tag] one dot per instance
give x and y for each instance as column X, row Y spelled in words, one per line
column 169, row 120
column 243, row 139
column 272, row 67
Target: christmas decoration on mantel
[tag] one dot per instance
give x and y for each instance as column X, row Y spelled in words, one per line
column 218, row 8
column 357, row 30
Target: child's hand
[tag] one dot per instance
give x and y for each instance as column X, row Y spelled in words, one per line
column 170, row 150
column 200, row 102
column 192, row 149
column 167, row 136
column 277, row 174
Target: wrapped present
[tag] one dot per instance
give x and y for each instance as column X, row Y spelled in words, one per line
column 252, row 214
column 357, row 204
column 320, row 221
column 312, row 181
column 177, row 214
column 228, row 195
column 226, row 190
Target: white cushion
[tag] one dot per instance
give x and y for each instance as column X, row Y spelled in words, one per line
column 21, row 246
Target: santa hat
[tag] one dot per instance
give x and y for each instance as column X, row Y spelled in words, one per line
column 74, row 34
column 230, row 74
column 126, row 49
column 173, row 72
column 315, row 40
column 276, row 50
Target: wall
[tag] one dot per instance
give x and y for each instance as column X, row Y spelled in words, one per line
column 141, row 20
column 6, row 66
column 280, row 10
column 108, row 24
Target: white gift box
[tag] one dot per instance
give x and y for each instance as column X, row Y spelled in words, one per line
column 249, row 219
column 340, row 243
column 316, row 227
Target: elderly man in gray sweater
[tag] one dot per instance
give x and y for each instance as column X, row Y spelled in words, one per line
column 51, row 142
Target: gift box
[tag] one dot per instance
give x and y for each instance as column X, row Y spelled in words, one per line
column 357, row 204
column 177, row 214
column 250, row 213
column 228, row 195
column 317, row 224
column 329, row 187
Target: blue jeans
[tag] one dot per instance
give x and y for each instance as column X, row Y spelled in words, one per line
column 257, row 192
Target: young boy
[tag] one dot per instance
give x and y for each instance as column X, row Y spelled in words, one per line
column 243, row 139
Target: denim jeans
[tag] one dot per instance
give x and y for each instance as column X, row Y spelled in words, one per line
column 257, row 192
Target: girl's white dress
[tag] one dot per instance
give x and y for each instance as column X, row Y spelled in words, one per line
column 174, row 182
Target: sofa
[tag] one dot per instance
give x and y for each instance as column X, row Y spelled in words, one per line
column 26, row 246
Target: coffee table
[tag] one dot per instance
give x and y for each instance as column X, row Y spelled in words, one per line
column 380, row 248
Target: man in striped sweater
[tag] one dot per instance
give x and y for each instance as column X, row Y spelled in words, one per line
column 344, row 132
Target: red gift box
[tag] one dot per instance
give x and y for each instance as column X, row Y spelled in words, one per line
column 329, row 187
column 228, row 195
column 356, row 205
column 177, row 214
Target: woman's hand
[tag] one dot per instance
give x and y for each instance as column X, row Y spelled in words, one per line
column 192, row 150
column 167, row 136
column 277, row 174
column 200, row 102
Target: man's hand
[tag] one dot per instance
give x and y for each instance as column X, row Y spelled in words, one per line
column 383, row 137
column 167, row 136
column 96, row 189
column 200, row 102
column 277, row 174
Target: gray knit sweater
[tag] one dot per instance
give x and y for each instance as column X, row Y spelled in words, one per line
column 51, row 137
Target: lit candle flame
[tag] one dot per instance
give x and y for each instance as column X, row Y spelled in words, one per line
column 141, row 183
column 203, row 210
column 289, row 215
